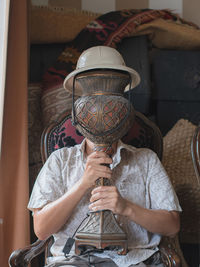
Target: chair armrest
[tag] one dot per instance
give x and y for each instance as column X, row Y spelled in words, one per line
column 22, row 257
column 170, row 257
column 171, row 253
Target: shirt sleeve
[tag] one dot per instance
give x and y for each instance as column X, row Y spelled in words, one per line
column 161, row 192
column 49, row 184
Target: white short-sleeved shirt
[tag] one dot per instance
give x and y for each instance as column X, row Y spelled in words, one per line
column 139, row 176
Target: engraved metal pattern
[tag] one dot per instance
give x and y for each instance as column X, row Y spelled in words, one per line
column 103, row 119
column 109, row 225
column 104, row 81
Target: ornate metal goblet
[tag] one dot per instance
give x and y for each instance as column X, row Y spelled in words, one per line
column 102, row 115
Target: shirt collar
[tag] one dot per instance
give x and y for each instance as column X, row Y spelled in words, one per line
column 82, row 150
column 116, row 157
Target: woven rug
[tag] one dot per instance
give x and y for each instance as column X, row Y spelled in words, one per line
column 177, row 161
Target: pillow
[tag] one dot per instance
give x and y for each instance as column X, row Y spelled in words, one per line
column 54, row 102
column 57, row 24
column 177, row 160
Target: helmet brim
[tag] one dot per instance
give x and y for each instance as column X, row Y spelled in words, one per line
column 68, row 82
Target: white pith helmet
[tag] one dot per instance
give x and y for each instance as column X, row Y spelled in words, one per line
column 99, row 57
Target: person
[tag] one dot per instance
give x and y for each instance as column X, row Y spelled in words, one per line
column 141, row 196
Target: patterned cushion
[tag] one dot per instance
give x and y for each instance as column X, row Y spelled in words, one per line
column 54, row 102
column 64, row 135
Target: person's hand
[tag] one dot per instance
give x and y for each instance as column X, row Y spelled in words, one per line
column 107, row 198
column 94, row 168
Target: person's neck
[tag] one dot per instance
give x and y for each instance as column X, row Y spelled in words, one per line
column 90, row 147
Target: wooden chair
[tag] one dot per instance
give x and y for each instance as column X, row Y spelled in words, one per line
column 143, row 133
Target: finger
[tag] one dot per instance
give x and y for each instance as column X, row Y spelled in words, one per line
column 106, row 189
column 103, row 195
column 98, row 154
column 99, row 160
column 100, row 205
column 99, row 171
column 101, row 168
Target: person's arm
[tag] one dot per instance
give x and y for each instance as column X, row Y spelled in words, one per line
column 54, row 215
column 156, row 221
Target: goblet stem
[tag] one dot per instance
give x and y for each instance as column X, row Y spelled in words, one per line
column 102, row 181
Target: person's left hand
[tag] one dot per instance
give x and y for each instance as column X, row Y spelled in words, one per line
column 107, row 198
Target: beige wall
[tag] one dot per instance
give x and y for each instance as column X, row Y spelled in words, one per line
column 98, row 6
column 175, row 5
column 191, row 11
column 123, row 4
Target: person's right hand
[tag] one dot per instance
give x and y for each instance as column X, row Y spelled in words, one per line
column 94, row 168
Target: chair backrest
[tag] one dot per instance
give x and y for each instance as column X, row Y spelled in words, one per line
column 195, row 150
column 61, row 133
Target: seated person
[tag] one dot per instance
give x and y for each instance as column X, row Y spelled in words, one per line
column 141, row 197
